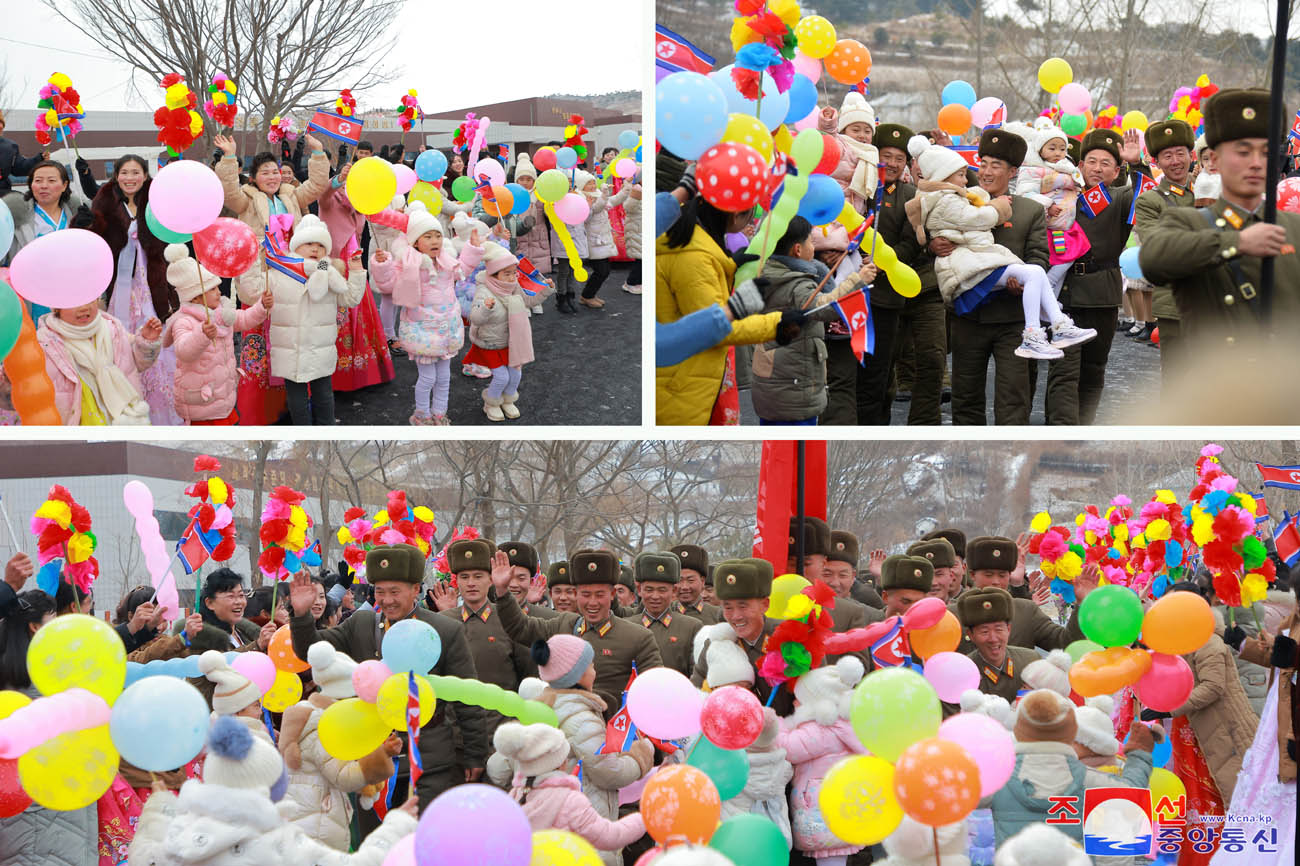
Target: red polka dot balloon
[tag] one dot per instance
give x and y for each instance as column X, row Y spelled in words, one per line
column 732, row 718
column 730, row 176
column 227, row 247
column 1288, row 195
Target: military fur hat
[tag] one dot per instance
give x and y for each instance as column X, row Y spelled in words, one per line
column 938, row 550
column 906, row 572
column 558, row 574
column 844, row 547
column 594, row 566
column 1102, row 139
column 1074, row 148
column 626, row 578
column 470, row 554
column 692, row 556
column 657, row 568
column 1004, row 145
column 980, row 606
column 743, row 578
column 1233, row 114
column 1169, row 133
column 396, row 562
column 522, row 555
column 992, row 552
column 892, row 135
column 955, row 537
column 816, row 536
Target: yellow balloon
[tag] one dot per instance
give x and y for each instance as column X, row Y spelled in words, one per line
column 905, row 281
column 1054, row 74
column 566, row 239
column 816, row 36
column 857, row 800
column 562, row 848
column 70, row 771
column 391, row 701
column 10, row 701
column 351, row 729
column 1135, row 120
column 283, row 693
column 747, row 129
column 782, row 139
column 784, row 588
column 1164, row 784
column 78, row 651
column 849, row 218
column 371, row 184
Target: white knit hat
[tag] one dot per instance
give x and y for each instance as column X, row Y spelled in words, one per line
column 936, row 162
column 1207, row 185
column 993, row 706
column 1040, row 845
column 1043, row 136
column 237, row 759
column 531, row 749
column 233, row 691
column 332, row 670
column 825, row 693
column 497, row 258
column 856, row 109
column 1201, row 144
column 727, row 662
column 419, row 221
column 581, row 179
column 524, row 167
column 1096, row 731
column 183, row 273
column 1052, row 673
column 309, row 230
column 912, row 844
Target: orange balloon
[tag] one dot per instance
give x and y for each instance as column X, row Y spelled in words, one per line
column 33, row 392
column 942, row 637
column 504, row 201
column 849, row 62
column 954, row 119
column 1105, row 672
column 680, row 804
column 937, row 782
column 1177, row 624
column 281, row 652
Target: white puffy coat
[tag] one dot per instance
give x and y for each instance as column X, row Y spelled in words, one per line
column 632, row 226
column 304, row 324
column 600, row 234
column 944, row 210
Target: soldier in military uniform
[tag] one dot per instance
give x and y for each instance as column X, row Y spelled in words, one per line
column 864, row 590
column 525, row 564
column 943, row 558
column 841, row 574
column 560, row 583
column 904, row 580
column 985, row 616
column 708, row 595
column 1170, row 144
column 690, row 588
column 1211, row 258
column 625, row 590
column 957, row 539
column 816, row 544
column 618, row 643
column 656, row 576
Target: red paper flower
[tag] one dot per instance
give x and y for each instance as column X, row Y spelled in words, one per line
column 287, row 494
column 748, row 82
column 273, row 531
column 205, row 463
column 1228, row 589
column 271, row 560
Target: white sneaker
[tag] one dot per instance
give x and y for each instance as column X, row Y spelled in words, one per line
column 631, row 290
column 538, row 310
column 1035, row 346
column 1137, row 328
column 1065, row 333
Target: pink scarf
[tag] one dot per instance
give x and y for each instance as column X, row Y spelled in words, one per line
column 520, row 332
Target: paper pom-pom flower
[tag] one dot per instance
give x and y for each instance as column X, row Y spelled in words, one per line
column 396, row 523
column 177, row 121
column 285, row 523
column 61, row 119
column 408, row 110
column 573, row 133
column 441, row 567
column 464, row 134
column 213, row 515
column 796, row 645
column 1223, row 524
column 221, row 105
column 282, row 129
column 65, row 546
column 345, row 104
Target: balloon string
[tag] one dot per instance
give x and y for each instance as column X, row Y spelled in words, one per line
column 934, row 831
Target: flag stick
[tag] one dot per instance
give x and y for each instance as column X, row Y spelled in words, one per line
column 799, row 505
column 154, row 597
column 9, row 526
column 1274, row 165
column 767, row 233
column 818, row 290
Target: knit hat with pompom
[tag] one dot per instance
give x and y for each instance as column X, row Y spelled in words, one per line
column 524, row 167
column 693, row 855
column 912, row 844
column 331, row 670
column 562, row 659
column 234, row 691
column 189, row 278
column 936, row 162
column 1044, row 716
column 237, row 759
column 1052, row 673
column 497, row 258
column 419, row 221
column 1096, row 730
column 310, row 230
column 825, row 693
column 1040, row 845
column 531, row 749
column 993, row 706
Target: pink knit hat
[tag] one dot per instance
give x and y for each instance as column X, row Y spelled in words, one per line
column 562, row 660
column 497, row 258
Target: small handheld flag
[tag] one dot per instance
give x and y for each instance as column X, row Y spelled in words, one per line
column 620, row 731
column 413, row 730
column 1141, row 183
column 675, row 54
column 190, row 548
column 968, row 152
column 280, row 259
column 856, row 315
column 1284, row 477
column 531, row 280
column 344, row 129
column 1094, row 200
column 1286, row 538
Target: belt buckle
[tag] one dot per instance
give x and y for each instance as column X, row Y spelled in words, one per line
column 1248, row 291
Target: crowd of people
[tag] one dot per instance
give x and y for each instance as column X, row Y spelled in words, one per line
column 572, row 633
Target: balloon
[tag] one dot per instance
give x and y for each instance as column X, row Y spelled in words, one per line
column 893, row 708
column 728, row 768
column 367, row 677
column 62, row 269
column 402, row 853
column 1167, row 685
column 803, row 98
column 573, row 209
column 625, row 168
column 1155, row 336
column 732, row 718
column 823, row 201
column 943, row 637
column 958, row 92
column 551, row 186
column 1074, row 124
column 490, row 170
column 7, row 231
column 1163, row 751
column 849, row 62
column 33, row 392
column 746, row 129
column 1135, row 120
column 473, row 824
column 139, row 504
column 926, row 613
column 807, row 66
column 1080, row 648
column 730, row 176
column 1074, row 98
column 11, row 318
column 77, row 652
column 544, row 159
column 566, row 157
column 406, row 178
column 1111, row 616
column 816, row 36
column 411, row 645
column 805, row 153
column 1178, row 623
column 228, row 247
column 628, row 139
column 857, row 800
column 392, row 698
column 258, row 668
column 430, row 166
column 186, row 196
column 71, row 771
column 351, row 728
column 161, row 232
column 501, row 203
column 1054, row 74
column 753, row 840
column 428, row 195
column 775, row 103
column 679, row 803
column 937, row 782
column 462, row 189
column 954, row 119
column 160, row 723
column 1164, row 786
column 784, row 588
column 561, row 848
column 663, row 703
column 1109, row 670
column 831, row 152
column 27, row 726
column 981, row 113
column 988, row 743
column 566, row 239
column 13, row 799
column 951, row 674
column 283, row 693
column 690, row 114
column 521, row 199
column 281, row 652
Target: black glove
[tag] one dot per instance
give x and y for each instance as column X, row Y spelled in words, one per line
column 1234, row 636
column 687, row 181
column 82, row 165
column 82, row 219
column 1154, row 715
column 742, row 258
column 789, row 327
column 1284, row 652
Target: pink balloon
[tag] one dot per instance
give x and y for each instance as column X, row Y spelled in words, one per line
column 186, row 196
column 258, row 667
column 732, row 718
column 1074, row 98
column 227, row 247
column 663, row 703
column 951, row 674
column 625, row 167
column 46, row 718
column 572, row 209
column 405, row 178
column 63, row 269
column 492, row 170
column 981, row 113
column 1166, row 686
column 809, row 122
column 367, row 677
column 989, row 744
column 805, row 65
column 926, row 613
column 402, row 853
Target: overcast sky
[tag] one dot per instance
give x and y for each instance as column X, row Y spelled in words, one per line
column 570, row 47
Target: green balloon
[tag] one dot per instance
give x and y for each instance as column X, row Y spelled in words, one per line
column 1074, row 124
column 752, row 840
column 1081, row 648
column 552, row 185
column 161, row 232
column 1111, row 616
column 463, row 189
column 11, row 318
column 728, row 768
column 512, row 705
column 538, row 713
column 893, row 708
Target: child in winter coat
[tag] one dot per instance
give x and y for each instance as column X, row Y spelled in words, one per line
column 553, row 798
column 202, row 330
column 420, row 274
column 600, row 235
column 978, row 267
column 815, row 737
column 304, row 320
column 501, row 337
column 536, row 245
column 233, row 694
column 1049, row 178
column 632, row 238
column 858, row 171
column 566, row 284
column 382, row 235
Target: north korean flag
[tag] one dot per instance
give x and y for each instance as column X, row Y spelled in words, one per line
column 191, row 549
column 1285, row 477
column 968, row 152
column 675, row 54
column 1286, row 538
column 531, row 280
column 1094, row 200
column 891, row 650
column 1261, row 507
column 337, row 127
column 1141, row 183
column 1295, row 127
column 856, row 315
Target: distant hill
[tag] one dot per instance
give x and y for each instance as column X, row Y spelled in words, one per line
column 625, row 101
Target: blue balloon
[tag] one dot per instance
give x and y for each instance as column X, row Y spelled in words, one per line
column 566, row 157
column 628, row 138
column 523, row 201
column 1128, row 263
column 1162, row 752
column 690, row 114
column 411, row 645
column 803, row 98
column 430, row 165
column 775, row 103
column 959, row 92
column 159, row 723
column 823, row 201
column 7, row 230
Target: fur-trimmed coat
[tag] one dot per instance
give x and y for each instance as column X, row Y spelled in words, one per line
column 948, row 211
column 113, row 223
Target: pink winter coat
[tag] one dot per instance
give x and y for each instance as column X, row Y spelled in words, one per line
column 340, row 217
column 814, row 749
column 207, row 377
column 536, row 245
column 131, row 352
column 556, row 802
column 425, row 289
column 843, row 172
